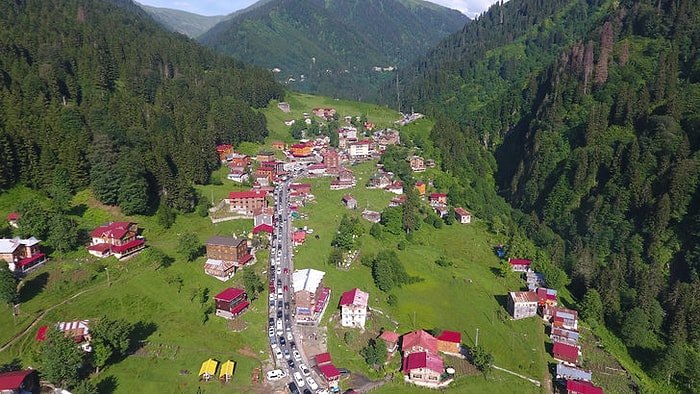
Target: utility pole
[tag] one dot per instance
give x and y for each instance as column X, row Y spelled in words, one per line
column 477, row 337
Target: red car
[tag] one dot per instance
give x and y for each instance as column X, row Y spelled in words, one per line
column 286, row 288
column 286, row 270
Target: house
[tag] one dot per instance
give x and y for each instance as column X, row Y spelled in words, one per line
column 316, row 169
column 12, row 219
column 397, row 201
column 463, row 216
column 299, row 237
column 372, row 216
column 78, row 330
column 263, row 228
column 563, row 318
column 284, row 106
column 323, row 359
column 391, row 339
column 420, row 187
column 565, row 353
column 226, row 372
column 417, row 163
column 208, row 369
column 353, row 308
column 563, row 335
column 266, row 172
column 437, row 199
column 247, row 202
column 307, row 285
column 263, row 216
column 238, row 160
column 359, row 149
column 379, row 180
column 581, row 387
column 223, row 151
column 238, row 176
column 22, row 255
column 546, row 296
column 331, row 374
column 449, row 342
column 349, row 201
column 522, row 304
column 573, row 373
column 331, row 159
column 279, row 145
column 519, row 265
column 423, row 368
column 231, row 302
column 265, row 156
column 395, row 187
column 115, row 238
column 441, row 211
column 225, row 255
column 300, row 150
column 534, row 279
column 20, row 382
column 419, row 341
column 299, row 189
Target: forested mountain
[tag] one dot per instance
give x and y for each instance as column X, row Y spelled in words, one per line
column 96, row 90
column 331, row 47
column 587, row 113
column 187, row 23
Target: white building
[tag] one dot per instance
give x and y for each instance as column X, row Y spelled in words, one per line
column 359, row 150
column 353, row 308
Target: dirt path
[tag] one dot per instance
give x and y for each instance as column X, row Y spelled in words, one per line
column 47, row 310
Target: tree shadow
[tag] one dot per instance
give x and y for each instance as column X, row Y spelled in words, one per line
column 495, row 271
column 108, row 385
column 33, row 287
column 78, row 210
column 502, row 300
column 141, row 331
column 14, row 365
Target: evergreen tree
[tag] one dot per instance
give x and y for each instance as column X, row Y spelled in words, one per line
column 61, row 359
column 189, row 246
column 8, row 286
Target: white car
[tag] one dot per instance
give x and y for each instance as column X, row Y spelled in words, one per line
column 297, row 356
column 289, row 336
column 280, row 329
column 271, row 332
column 286, row 354
column 276, row 374
column 299, row 379
column 312, row 383
column 278, row 354
column 304, row 369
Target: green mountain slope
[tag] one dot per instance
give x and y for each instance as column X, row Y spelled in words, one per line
column 97, row 90
column 187, row 23
column 587, row 115
column 331, row 47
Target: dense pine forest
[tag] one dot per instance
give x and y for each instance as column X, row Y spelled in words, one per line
column 135, row 114
column 586, row 115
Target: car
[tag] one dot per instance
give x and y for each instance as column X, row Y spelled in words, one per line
column 304, row 369
column 322, row 391
column 292, row 344
column 279, row 325
column 312, row 383
column 279, row 282
column 276, row 374
column 293, row 388
column 279, row 271
column 279, row 314
column 286, row 354
column 286, row 305
column 307, row 391
column 272, row 296
column 271, row 331
column 282, row 340
column 285, row 289
column 290, row 337
column 278, row 354
column 296, row 355
column 288, row 325
column 299, row 380
column 270, row 322
column 286, row 270
column 273, row 341
column 291, row 364
column 272, row 303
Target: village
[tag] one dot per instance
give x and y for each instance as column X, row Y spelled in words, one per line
column 304, row 298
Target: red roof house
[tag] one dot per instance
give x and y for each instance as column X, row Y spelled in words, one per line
column 519, row 265
column 25, row 381
column 419, row 341
column 263, row 228
column 565, row 353
column 437, row 198
column 299, row 237
column 449, row 342
column 231, row 302
column 115, row 238
column 391, row 339
column 423, row 367
column 462, row 215
column 581, row 387
column 323, row 358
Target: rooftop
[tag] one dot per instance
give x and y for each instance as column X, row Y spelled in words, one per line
column 524, row 296
column 229, row 294
column 355, row 297
column 450, row 336
column 419, row 338
column 225, row 241
column 307, row 279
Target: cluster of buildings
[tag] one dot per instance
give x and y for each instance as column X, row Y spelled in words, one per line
column 225, row 255
column 310, row 296
column 539, row 300
column 21, row 255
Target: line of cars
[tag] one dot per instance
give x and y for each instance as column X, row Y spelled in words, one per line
column 288, row 357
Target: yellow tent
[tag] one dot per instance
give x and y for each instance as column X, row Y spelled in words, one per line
column 208, row 369
column 226, row 372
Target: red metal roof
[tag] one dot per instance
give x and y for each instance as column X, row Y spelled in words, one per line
column 13, row 380
column 41, row 334
column 30, row 260
column 323, row 358
column 450, row 336
column 565, row 352
column 229, row 294
column 354, row 297
column 239, row 307
column 299, row 236
column 390, row 336
column 432, row 362
column 420, row 338
column 250, row 194
column 519, row 262
column 437, row 195
column 103, row 247
column 329, row 371
column 461, row 211
column 13, row 216
column 129, row 245
column 263, row 227
column 115, row 230
column 245, row 259
column 581, row 387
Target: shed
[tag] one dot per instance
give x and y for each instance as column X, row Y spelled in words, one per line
column 226, row 372
column 208, row 369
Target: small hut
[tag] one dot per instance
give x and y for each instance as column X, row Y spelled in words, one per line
column 208, row 369
column 226, row 372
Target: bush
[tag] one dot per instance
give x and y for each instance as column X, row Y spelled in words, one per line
column 402, row 245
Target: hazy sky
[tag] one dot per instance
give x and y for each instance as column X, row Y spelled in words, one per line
column 470, row 8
